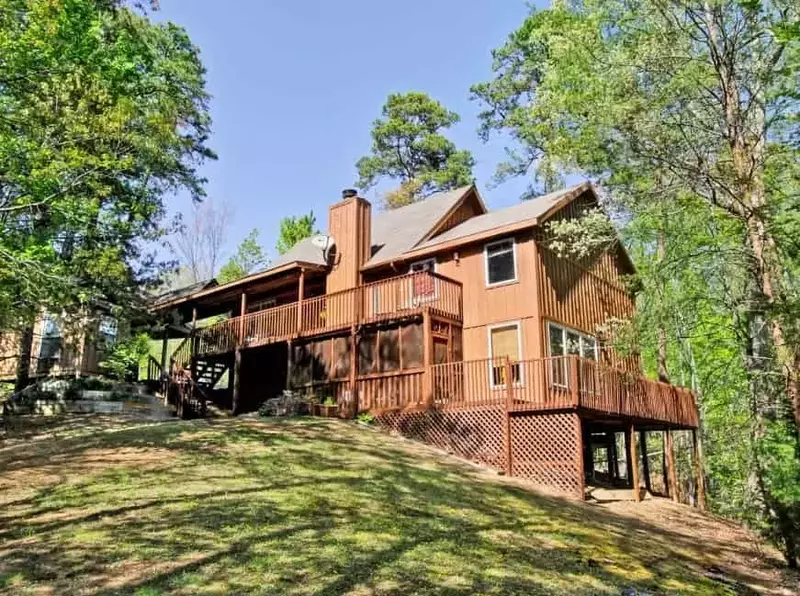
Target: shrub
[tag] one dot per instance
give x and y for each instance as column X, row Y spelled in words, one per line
column 123, row 361
column 366, row 418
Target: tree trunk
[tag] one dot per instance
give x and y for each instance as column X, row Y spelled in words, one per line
column 24, row 361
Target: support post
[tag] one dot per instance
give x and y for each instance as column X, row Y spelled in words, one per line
column 237, row 379
column 192, row 347
column 580, row 465
column 633, row 463
column 611, row 456
column 165, row 372
column 242, row 313
column 353, row 369
column 672, row 488
column 301, row 291
column 697, row 462
column 507, row 421
column 289, row 361
column 573, row 380
column 427, row 377
column 645, row 462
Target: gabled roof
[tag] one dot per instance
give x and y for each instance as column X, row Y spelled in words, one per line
column 178, row 293
column 398, row 231
column 525, row 214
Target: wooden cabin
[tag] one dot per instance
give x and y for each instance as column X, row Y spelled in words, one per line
column 449, row 323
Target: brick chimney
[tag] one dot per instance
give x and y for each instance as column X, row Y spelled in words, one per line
column 349, row 224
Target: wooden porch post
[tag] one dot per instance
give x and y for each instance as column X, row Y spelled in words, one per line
column 289, row 357
column 611, row 458
column 574, row 380
column 507, row 421
column 427, row 377
column 237, row 374
column 697, row 463
column 580, row 465
column 300, row 295
column 353, row 369
column 672, row 487
column 164, row 364
column 645, row 462
column 242, row 313
column 633, row 463
column 192, row 350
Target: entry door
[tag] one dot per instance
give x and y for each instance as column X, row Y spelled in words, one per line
column 423, row 286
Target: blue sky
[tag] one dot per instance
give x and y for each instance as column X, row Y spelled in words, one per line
column 296, row 86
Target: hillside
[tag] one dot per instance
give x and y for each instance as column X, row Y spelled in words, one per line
column 312, row 506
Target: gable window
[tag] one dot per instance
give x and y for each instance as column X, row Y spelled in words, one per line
column 504, row 342
column 563, row 341
column 501, row 265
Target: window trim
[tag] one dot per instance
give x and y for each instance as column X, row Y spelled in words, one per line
column 489, row 328
column 564, row 345
column 486, row 248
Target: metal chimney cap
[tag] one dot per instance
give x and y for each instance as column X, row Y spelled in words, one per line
column 349, row 193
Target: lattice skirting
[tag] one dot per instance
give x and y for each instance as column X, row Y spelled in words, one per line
column 546, row 449
column 471, row 434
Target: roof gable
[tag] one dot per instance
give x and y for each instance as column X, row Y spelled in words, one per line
column 398, row 231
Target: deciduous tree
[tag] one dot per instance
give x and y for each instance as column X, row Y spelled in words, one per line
column 294, row 229
column 103, row 113
column 249, row 257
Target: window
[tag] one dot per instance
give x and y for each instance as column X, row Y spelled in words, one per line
column 107, row 331
column 50, row 348
column 563, row 341
column 504, row 342
column 423, row 287
column 262, row 304
column 501, row 266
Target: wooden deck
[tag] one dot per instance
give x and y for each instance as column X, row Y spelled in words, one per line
column 396, row 298
column 549, row 384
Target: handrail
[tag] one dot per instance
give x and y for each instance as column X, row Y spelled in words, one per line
column 370, row 302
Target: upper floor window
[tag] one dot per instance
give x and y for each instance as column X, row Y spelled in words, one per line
column 50, row 346
column 501, row 265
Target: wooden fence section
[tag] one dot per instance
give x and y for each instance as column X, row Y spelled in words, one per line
column 561, row 383
column 390, row 391
column 393, row 298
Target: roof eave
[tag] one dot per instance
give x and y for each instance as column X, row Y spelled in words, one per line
column 239, row 282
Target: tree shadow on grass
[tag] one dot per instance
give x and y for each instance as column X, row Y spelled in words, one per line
column 307, row 506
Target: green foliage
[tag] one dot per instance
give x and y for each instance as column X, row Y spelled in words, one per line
column 249, row 257
column 329, row 401
column 295, row 229
column 408, row 147
column 590, row 235
column 102, row 113
column 123, row 361
column 695, row 137
column 365, row 418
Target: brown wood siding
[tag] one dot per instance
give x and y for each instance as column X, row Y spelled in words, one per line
column 468, row 209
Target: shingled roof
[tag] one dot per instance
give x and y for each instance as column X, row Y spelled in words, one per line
column 400, row 230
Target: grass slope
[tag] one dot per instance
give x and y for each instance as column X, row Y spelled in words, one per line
column 310, row 506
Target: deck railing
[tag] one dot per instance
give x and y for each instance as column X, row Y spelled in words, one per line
column 382, row 300
column 565, row 382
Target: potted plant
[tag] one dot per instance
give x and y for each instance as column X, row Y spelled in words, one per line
column 328, row 408
column 313, row 405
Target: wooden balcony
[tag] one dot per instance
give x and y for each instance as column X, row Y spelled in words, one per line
column 560, row 383
column 394, row 298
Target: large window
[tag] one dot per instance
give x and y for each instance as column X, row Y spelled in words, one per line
column 505, row 342
column 501, row 266
column 563, row 341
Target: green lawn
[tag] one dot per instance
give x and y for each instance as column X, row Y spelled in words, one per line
column 311, row 506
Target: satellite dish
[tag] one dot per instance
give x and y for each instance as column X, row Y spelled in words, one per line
column 324, row 243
